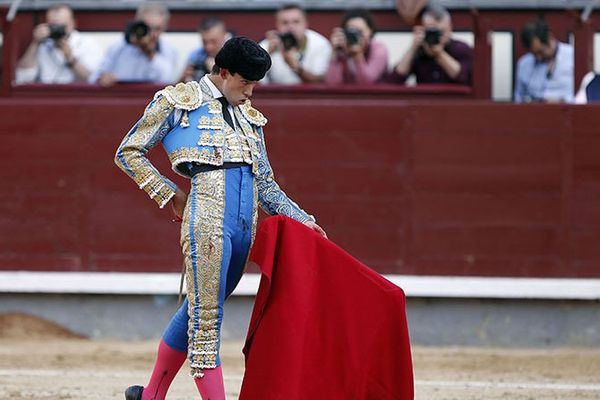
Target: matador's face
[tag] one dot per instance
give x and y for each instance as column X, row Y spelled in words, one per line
column 236, row 88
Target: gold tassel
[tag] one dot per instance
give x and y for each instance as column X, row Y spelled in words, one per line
column 185, row 121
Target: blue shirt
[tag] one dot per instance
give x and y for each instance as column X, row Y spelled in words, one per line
column 535, row 82
column 197, row 56
column 130, row 64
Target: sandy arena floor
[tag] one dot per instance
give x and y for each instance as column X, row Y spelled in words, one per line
column 42, row 361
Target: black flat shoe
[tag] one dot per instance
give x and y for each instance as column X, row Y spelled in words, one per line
column 134, row 393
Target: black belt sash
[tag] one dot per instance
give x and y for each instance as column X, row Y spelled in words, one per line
column 197, row 168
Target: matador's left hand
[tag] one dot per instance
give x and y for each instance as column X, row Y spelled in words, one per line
column 313, row 225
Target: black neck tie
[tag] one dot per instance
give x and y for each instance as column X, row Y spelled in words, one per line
column 226, row 113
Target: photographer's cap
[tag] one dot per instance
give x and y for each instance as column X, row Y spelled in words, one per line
column 245, row 57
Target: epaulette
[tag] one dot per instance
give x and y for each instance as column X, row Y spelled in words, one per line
column 253, row 116
column 185, row 96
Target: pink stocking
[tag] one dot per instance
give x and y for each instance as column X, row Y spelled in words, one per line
column 211, row 385
column 168, row 362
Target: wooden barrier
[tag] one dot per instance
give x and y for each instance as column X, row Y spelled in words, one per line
column 452, row 187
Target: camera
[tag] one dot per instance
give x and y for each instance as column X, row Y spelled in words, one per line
column 57, row 32
column 199, row 67
column 353, row 36
column 137, row 29
column 288, row 40
column 432, row 36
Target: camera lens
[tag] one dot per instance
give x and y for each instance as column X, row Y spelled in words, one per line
column 57, row 32
column 137, row 29
column 432, row 36
column 288, row 40
column 353, row 36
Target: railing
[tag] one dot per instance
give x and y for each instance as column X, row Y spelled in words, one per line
column 566, row 24
column 270, row 91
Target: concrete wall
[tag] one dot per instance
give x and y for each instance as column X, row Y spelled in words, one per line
column 432, row 322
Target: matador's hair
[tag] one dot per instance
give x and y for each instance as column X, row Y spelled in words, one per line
column 243, row 56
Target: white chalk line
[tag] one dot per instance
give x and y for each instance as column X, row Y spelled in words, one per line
column 238, row 378
column 512, row 385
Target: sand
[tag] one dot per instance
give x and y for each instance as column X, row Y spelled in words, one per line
column 39, row 360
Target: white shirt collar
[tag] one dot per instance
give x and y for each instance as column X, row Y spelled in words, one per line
column 216, row 93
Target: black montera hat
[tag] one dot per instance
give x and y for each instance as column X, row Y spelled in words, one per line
column 245, row 57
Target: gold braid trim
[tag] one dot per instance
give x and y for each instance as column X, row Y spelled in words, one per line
column 252, row 115
column 184, row 96
column 202, row 244
column 133, row 150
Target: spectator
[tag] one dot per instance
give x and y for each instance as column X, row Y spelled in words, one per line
column 141, row 56
column 589, row 91
column 213, row 34
column 58, row 53
column 410, row 10
column 434, row 57
column 357, row 57
column 299, row 55
column 546, row 72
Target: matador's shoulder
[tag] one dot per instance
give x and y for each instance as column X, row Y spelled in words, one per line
column 184, row 96
column 251, row 114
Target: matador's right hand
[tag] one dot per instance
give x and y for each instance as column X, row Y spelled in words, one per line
column 178, row 203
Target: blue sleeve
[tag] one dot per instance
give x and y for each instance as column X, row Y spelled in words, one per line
column 520, row 86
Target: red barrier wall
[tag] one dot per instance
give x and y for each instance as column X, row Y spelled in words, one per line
column 451, row 188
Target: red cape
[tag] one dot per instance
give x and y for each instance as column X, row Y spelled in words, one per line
column 324, row 326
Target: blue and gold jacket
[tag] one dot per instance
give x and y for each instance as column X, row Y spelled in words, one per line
column 189, row 123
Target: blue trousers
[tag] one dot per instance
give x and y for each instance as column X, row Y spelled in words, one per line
column 217, row 232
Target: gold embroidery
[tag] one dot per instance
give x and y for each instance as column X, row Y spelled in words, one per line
column 207, row 122
column 254, row 211
column 185, row 96
column 254, row 148
column 235, row 154
column 247, row 140
column 191, row 154
column 211, row 139
column 247, row 129
column 132, row 153
column 233, row 142
column 247, row 156
column 214, row 107
column 202, row 245
column 185, row 120
column 204, row 137
column 252, row 114
column 206, row 92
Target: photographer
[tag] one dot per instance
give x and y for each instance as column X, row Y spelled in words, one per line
column 213, row 34
column 357, row 57
column 546, row 73
column 299, row 54
column 141, row 56
column 58, row 53
column 434, row 57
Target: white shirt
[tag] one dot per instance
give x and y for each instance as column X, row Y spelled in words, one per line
column 129, row 63
column 314, row 59
column 581, row 97
column 535, row 81
column 217, row 94
column 51, row 64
